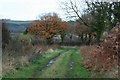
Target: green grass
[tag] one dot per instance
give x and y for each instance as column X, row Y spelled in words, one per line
column 78, row 70
column 58, row 69
column 28, row 71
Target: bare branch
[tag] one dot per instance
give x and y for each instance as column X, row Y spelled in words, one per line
column 72, row 10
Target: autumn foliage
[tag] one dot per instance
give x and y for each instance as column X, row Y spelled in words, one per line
column 48, row 26
column 105, row 57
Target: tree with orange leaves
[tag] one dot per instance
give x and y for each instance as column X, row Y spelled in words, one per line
column 48, row 26
column 64, row 30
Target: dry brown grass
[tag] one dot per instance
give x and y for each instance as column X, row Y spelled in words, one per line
column 16, row 56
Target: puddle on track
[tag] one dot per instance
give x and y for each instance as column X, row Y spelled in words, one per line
column 50, row 62
column 71, row 65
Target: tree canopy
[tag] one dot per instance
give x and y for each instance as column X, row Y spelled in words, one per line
column 48, row 26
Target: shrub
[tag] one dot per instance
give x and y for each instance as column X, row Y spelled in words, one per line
column 111, row 47
column 104, row 58
column 25, row 39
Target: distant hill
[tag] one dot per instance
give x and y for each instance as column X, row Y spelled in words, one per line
column 17, row 26
column 20, row 26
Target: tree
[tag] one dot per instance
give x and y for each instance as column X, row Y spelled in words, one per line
column 5, row 35
column 83, row 30
column 48, row 26
column 105, row 14
column 72, row 9
column 63, row 30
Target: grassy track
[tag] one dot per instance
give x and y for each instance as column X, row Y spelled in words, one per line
column 28, row 71
column 60, row 68
column 78, row 70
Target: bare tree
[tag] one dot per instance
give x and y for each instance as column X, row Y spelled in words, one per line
column 73, row 9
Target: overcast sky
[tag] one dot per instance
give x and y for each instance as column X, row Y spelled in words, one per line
column 28, row 9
